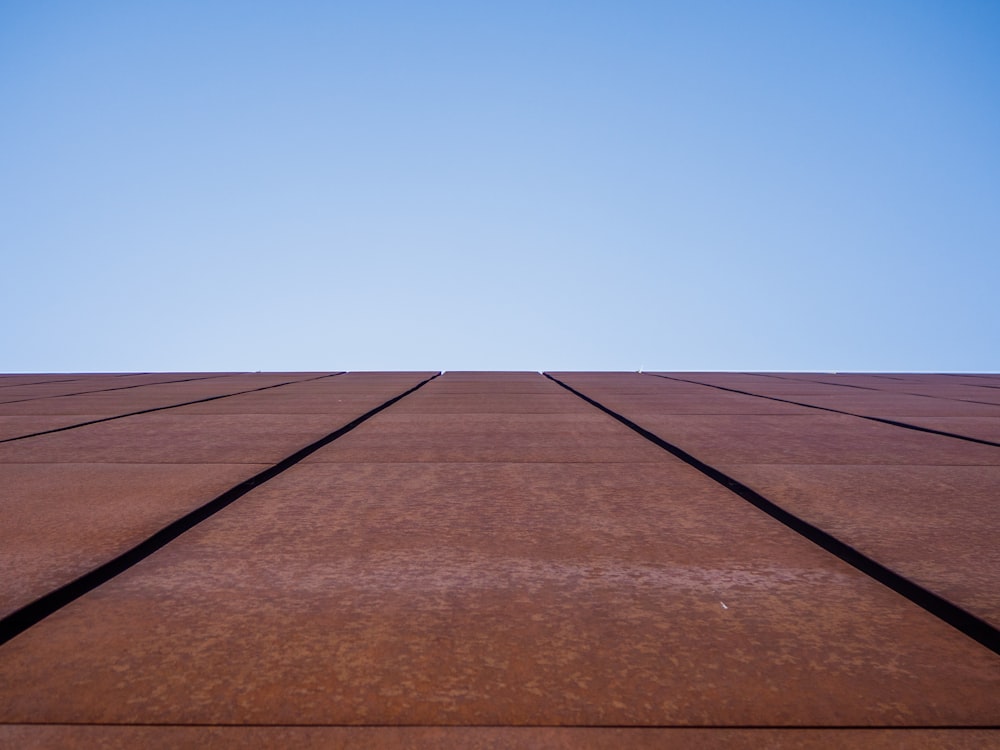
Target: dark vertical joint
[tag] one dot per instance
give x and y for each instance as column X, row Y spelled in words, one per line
column 17, row 622
column 972, row 626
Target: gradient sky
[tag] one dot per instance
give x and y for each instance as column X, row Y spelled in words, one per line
column 511, row 185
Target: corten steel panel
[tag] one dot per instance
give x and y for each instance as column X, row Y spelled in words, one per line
column 87, row 383
column 492, row 738
column 888, row 403
column 749, row 381
column 62, row 519
column 56, row 389
column 186, row 435
column 687, row 399
column 508, row 387
column 482, row 437
column 847, row 378
column 977, row 395
column 495, row 594
column 939, row 386
column 489, row 377
column 520, row 593
column 942, row 388
column 913, row 410
column 991, row 395
column 708, row 403
column 139, row 382
column 930, row 383
column 117, row 384
column 838, row 381
column 801, row 435
column 930, row 521
column 345, row 393
column 436, row 402
column 756, row 384
column 167, row 437
column 287, row 403
column 435, row 425
column 937, row 525
column 147, row 397
column 943, row 379
column 88, row 494
column 976, row 420
column 18, row 379
column 813, row 438
column 899, row 406
column 982, row 428
column 979, row 380
column 28, row 424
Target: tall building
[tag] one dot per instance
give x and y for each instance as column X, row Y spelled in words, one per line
column 470, row 559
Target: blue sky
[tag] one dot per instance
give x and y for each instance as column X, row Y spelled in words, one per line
column 518, row 185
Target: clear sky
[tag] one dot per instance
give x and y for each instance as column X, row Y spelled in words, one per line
column 797, row 185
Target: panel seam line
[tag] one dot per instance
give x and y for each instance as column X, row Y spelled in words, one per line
column 880, row 420
column 960, row 619
column 34, row 612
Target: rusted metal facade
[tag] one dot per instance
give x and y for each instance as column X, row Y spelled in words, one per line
column 476, row 559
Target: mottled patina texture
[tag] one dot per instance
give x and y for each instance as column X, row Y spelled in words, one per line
column 71, row 500
column 493, row 562
column 924, row 505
